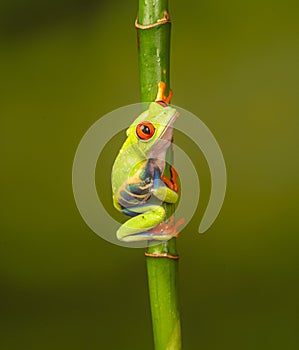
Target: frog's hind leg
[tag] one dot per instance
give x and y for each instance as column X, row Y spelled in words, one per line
column 138, row 227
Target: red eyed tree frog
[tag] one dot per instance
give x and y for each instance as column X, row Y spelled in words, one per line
column 138, row 185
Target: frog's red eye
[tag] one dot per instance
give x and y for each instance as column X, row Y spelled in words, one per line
column 145, row 130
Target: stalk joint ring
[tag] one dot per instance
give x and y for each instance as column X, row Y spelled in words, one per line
column 162, row 255
column 164, row 20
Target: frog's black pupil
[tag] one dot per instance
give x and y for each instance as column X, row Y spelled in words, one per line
column 145, row 129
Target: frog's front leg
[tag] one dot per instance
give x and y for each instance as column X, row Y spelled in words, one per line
column 138, row 228
column 166, row 189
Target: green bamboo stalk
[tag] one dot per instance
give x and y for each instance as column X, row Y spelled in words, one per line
column 154, row 61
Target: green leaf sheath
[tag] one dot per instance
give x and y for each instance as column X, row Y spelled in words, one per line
column 154, row 59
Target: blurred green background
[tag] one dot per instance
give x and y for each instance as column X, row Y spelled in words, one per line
column 66, row 63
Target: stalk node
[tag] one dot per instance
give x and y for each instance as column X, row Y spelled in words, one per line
column 164, row 20
column 162, row 255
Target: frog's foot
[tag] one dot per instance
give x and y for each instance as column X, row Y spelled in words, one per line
column 167, row 228
column 172, row 182
column 161, row 93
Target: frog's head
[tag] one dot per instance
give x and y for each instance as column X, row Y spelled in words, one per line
column 152, row 131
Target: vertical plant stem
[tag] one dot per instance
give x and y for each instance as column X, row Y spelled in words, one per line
column 154, row 54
